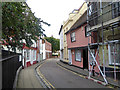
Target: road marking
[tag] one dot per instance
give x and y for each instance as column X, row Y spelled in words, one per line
column 43, row 78
column 109, row 86
column 71, row 71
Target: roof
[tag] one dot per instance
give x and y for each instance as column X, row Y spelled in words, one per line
column 81, row 21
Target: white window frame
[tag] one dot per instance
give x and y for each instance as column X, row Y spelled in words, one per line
column 77, row 52
column 111, row 62
column 28, row 54
column 34, row 55
column 73, row 36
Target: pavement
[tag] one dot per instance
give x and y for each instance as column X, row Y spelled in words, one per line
column 84, row 72
column 27, row 78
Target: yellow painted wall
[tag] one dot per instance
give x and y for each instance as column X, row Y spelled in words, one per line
column 73, row 17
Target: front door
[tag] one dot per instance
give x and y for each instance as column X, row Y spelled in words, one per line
column 85, row 58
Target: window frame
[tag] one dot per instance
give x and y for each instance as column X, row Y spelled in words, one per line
column 76, row 59
column 111, row 62
column 116, row 9
column 27, row 54
column 71, row 36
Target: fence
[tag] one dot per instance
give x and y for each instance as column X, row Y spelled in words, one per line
column 10, row 65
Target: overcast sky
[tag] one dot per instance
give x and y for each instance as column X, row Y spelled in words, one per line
column 54, row 12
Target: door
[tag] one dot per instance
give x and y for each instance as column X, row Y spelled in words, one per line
column 25, row 58
column 85, row 58
column 70, row 56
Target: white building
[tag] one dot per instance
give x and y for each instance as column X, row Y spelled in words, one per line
column 61, row 44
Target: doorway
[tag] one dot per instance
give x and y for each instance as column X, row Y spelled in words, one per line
column 85, row 58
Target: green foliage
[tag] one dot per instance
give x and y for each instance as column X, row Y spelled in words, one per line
column 18, row 23
column 55, row 43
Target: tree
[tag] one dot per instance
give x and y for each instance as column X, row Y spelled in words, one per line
column 18, row 23
column 55, row 43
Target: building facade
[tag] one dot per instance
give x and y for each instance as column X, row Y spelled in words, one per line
column 73, row 17
column 77, row 41
column 104, row 22
column 29, row 55
column 61, row 44
column 47, row 49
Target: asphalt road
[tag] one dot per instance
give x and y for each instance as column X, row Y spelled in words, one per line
column 61, row 78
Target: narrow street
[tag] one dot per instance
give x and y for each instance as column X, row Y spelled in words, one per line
column 49, row 44
column 62, row 78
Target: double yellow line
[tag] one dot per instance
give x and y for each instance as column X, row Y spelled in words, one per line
column 49, row 85
column 71, row 71
column 79, row 74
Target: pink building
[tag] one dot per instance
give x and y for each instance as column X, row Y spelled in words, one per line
column 47, row 49
column 77, row 42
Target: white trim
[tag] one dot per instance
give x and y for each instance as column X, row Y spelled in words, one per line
column 47, row 51
column 20, row 58
column 28, row 60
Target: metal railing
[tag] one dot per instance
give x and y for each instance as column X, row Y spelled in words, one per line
column 10, row 64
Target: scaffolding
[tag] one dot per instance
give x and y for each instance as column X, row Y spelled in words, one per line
column 101, row 17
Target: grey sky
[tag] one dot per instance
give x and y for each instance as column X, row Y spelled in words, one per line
column 53, row 12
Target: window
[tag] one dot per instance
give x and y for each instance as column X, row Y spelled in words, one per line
column 73, row 37
column 114, row 52
column 86, row 31
column 34, row 54
column 90, row 10
column 116, row 9
column 28, row 54
column 77, row 55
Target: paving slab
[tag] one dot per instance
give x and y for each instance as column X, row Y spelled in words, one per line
column 27, row 78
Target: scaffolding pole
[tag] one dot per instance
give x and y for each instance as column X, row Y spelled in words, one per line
column 90, row 53
column 101, row 9
column 114, row 56
column 97, row 65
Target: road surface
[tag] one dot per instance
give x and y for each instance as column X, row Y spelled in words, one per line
column 62, row 78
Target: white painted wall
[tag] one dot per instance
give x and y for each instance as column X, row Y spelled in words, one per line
column 61, row 40
column 34, row 44
column 5, row 48
column 61, row 46
column 44, row 52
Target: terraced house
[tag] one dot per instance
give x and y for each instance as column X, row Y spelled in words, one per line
column 77, row 40
column 73, row 17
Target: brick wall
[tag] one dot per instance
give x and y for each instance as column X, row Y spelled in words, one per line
column 80, row 39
